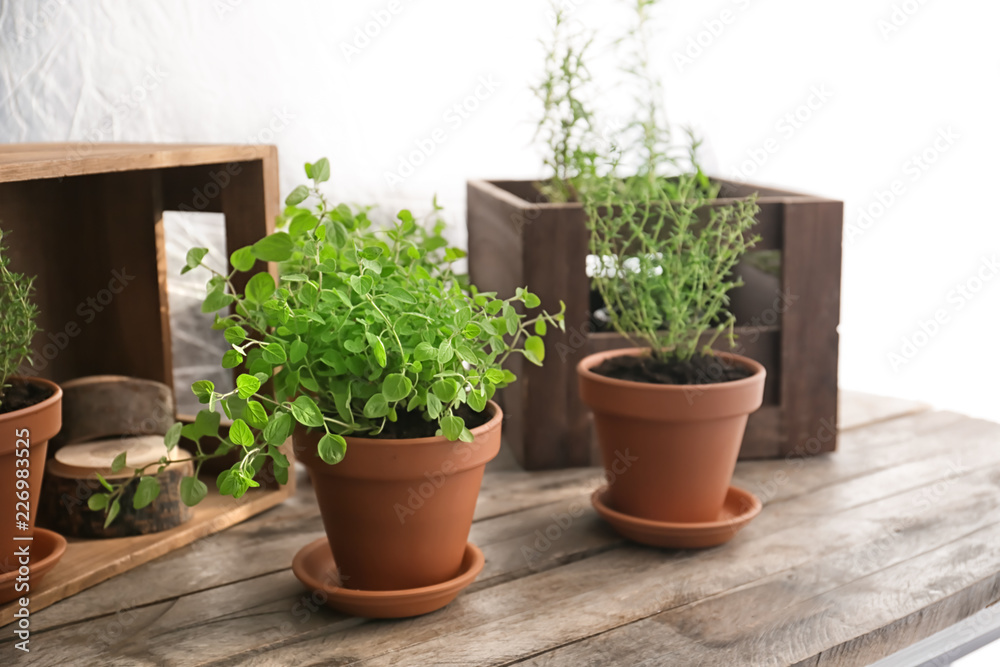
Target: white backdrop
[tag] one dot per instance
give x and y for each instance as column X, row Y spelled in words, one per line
column 890, row 105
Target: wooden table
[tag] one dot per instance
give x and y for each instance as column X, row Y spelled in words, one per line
column 856, row 555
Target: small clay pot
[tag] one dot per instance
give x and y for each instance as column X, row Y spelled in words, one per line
column 397, row 513
column 669, row 451
column 35, row 425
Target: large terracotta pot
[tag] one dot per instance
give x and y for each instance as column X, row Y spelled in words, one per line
column 669, row 450
column 397, row 513
column 34, row 425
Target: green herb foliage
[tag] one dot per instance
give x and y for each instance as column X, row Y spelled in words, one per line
column 363, row 326
column 666, row 248
column 17, row 319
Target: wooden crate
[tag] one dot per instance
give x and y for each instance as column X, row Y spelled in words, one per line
column 88, row 218
column 788, row 321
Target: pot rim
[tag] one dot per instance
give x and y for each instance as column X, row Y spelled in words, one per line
column 591, row 360
column 492, row 423
column 37, row 407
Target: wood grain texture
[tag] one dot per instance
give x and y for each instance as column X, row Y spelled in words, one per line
column 856, row 554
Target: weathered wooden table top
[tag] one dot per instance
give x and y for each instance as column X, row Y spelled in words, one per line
column 855, row 556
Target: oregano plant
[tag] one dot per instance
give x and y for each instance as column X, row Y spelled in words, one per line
column 366, row 332
column 18, row 315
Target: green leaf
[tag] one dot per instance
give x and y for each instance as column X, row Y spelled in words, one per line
column 118, row 464
column 531, row 301
column 361, row 284
column 494, row 375
column 243, row 259
column 247, row 385
column 424, row 351
column 235, row 335
column 112, row 513
column 231, row 359
column 378, row 349
column 297, row 351
column 278, row 429
column 98, row 501
column 306, row 412
column 477, row 400
column 274, row 354
column 193, row 259
column 401, row 295
column 276, row 247
column 540, row 327
column 297, row 196
column 396, row 387
column 434, row 406
column 332, row 448
column 452, row 426
column 446, row 390
column 260, row 287
column 321, row 170
column 534, row 349
column 173, row 436
column 466, row 354
column 255, row 414
column 146, row 492
column 216, row 300
column 376, row 407
column 241, row 434
column 193, row 491
column 510, row 319
column 445, row 352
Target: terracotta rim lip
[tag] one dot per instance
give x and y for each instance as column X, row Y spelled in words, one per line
column 597, row 499
column 591, row 360
column 56, row 396
column 46, row 562
column 493, row 423
column 456, row 583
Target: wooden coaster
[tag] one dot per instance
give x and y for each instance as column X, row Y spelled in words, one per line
column 70, row 480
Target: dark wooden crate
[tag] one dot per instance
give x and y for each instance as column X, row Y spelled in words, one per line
column 787, row 322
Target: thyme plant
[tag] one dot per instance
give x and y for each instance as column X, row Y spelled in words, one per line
column 666, row 250
column 17, row 320
column 364, row 330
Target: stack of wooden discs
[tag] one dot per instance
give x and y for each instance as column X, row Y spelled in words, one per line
column 103, row 417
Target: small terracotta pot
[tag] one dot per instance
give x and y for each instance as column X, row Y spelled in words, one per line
column 669, row 451
column 397, row 513
column 37, row 425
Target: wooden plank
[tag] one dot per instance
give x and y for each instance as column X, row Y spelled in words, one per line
column 523, row 608
column 857, row 409
column 89, row 562
column 22, row 162
column 810, row 272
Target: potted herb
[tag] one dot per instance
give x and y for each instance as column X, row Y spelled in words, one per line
column 381, row 361
column 30, row 414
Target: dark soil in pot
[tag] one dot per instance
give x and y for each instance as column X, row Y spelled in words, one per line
column 20, row 395
column 700, row 369
column 409, row 425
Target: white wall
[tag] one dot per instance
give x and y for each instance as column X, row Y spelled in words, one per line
column 250, row 70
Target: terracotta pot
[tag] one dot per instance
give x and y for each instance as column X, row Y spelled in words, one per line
column 397, row 513
column 36, row 424
column 669, row 450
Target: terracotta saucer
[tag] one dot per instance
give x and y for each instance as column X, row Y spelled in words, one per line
column 739, row 509
column 46, row 550
column 313, row 566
